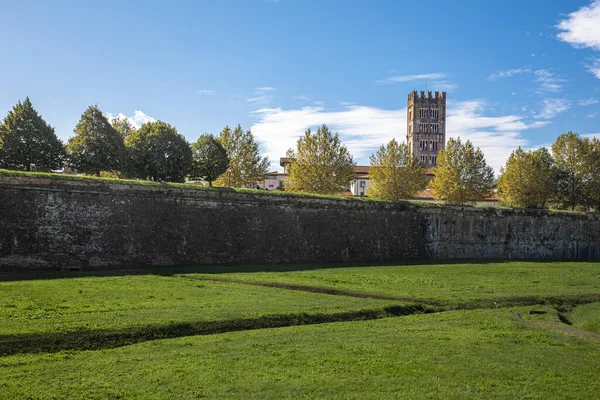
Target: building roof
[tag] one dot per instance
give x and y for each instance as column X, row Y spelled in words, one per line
column 276, row 173
column 285, row 160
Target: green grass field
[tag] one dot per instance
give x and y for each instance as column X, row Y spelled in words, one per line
column 519, row 330
column 92, row 303
column 450, row 283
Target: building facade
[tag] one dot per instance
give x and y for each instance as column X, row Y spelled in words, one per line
column 426, row 125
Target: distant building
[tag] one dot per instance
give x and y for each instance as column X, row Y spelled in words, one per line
column 425, row 136
column 426, row 126
column 358, row 187
column 361, row 181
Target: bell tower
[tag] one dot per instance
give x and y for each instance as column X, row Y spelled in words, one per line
column 426, row 126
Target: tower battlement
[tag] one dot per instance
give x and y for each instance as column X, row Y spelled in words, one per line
column 414, row 95
column 426, row 125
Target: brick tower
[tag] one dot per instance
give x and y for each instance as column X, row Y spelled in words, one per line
column 426, row 126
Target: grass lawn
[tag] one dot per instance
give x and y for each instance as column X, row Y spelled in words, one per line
column 454, row 283
column 586, row 317
column 91, row 303
column 547, row 348
column 489, row 354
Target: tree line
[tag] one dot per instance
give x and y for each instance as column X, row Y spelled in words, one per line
column 566, row 177
column 155, row 151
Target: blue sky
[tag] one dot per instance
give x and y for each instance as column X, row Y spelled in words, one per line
column 516, row 72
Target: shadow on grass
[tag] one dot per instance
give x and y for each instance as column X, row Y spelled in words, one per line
column 19, row 274
column 105, row 339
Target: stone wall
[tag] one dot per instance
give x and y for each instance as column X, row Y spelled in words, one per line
column 66, row 223
column 470, row 232
column 74, row 224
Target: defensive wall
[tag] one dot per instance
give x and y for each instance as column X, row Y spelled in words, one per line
column 71, row 223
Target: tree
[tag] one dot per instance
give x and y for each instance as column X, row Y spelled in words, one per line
column 157, row 152
column 462, row 174
column 322, row 164
column 96, row 145
column 395, row 173
column 27, row 142
column 593, row 174
column 209, row 158
column 123, row 126
column 570, row 154
column 528, row 180
column 246, row 165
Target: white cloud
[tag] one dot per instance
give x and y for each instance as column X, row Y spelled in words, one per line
column 538, row 124
column 507, row 73
column 206, row 92
column 592, row 115
column 549, row 81
column 259, row 99
column 442, row 85
column 591, row 135
column 496, row 136
column 589, row 102
column 363, row 129
column 261, row 95
column 139, row 118
column 552, row 107
column 594, row 67
column 411, row 78
column 582, row 28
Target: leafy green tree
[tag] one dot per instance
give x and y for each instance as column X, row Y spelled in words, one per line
column 210, row 159
column 246, row 165
column 157, row 152
column 96, row 146
column 322, row 164
column 123, row 126
column 592, row 177
column 528, row 180
column 27, row 142
column 462, row 174
column 395, row 173
column 570, row 155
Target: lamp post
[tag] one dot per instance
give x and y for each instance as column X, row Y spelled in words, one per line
column 166, row 167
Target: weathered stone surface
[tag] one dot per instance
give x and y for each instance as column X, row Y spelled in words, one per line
column 468, row 232
column 71, row 224
column 102, row 226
